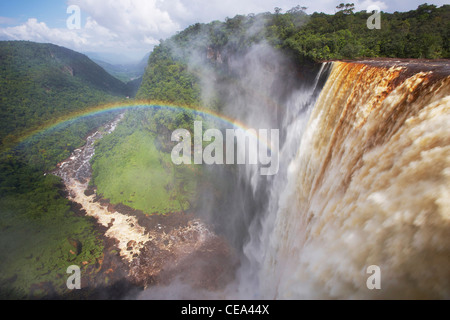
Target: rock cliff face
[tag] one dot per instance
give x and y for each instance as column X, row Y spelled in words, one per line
column 214, row 55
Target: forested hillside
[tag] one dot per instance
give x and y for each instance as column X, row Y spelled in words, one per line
column 39, row 82
column 421, row 33
column 39, row 232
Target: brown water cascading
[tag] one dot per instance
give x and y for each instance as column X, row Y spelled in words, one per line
column 369, row 186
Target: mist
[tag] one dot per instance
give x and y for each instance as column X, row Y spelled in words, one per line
column 335, row 208
column 264, row 89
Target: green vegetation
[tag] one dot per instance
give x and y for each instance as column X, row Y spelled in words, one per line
column 40, row 236
column 40, row 82
column 133, row 86
column 420, row 33
column 168, row 79
column 38, row 232
column 133, row 166
column 36, row 221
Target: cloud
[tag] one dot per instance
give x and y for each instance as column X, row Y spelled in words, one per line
column 135, row 18
column 92, row 37
column 112, row 26
column 33, row 30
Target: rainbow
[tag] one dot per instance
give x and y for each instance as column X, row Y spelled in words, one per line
column 131, row 104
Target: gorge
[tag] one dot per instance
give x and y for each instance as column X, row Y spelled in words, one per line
column 364, row 175
column 339, row 191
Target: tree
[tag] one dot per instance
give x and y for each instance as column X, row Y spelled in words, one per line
column 297, row 9
column 347, row 8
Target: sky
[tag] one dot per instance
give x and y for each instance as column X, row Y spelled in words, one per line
column 125, row 30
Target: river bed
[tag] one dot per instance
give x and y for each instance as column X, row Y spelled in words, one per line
column 160, row 249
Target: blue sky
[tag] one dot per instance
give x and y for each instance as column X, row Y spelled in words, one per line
column 49, row 11
column 132, row 28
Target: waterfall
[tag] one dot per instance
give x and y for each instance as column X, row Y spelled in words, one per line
column 364, row 180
